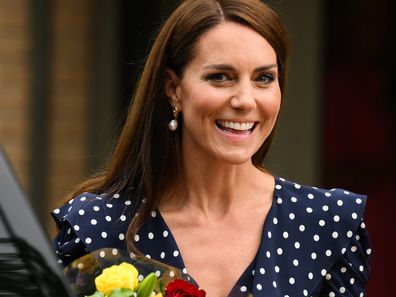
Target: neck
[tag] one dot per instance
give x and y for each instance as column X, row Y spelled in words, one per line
column 215, row 188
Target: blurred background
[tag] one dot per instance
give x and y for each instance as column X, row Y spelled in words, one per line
column 68, row 67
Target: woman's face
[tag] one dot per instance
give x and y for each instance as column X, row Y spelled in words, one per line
column 229, row 95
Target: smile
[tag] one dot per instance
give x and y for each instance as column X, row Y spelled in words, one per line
column 236, row 127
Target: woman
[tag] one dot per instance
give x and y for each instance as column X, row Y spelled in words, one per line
column 186, row 185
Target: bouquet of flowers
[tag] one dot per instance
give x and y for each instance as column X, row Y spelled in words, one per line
column 116, row 273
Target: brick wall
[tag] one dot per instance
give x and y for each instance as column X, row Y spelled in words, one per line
column 15, row 45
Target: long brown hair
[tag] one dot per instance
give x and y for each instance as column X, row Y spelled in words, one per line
column 147, row 156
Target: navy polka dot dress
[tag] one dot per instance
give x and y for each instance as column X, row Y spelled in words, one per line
column 314, row 241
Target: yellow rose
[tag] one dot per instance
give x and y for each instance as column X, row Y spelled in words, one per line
column 124, row 275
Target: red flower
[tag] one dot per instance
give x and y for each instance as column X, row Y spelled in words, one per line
column 181, row 288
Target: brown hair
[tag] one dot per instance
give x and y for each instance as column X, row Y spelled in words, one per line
column 147, row 156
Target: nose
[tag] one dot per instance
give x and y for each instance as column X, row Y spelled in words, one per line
column 244, row 98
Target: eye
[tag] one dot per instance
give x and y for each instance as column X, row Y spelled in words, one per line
column 265, row 78
column 217, row 77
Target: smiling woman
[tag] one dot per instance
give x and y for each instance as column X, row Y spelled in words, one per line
column 186, row 185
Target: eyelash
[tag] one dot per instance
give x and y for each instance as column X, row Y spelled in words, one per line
column 265, row 78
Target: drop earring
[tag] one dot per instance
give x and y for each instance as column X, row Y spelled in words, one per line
column 173, row 124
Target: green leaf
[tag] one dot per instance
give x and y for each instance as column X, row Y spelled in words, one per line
column 96, row 294
column 147, row 285
column 123, row 292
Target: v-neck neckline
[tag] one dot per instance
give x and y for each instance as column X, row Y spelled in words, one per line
column 252, row 263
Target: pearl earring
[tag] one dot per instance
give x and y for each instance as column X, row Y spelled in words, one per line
column 173, row 124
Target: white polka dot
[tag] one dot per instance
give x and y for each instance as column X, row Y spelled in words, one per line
column 349, row 234
column 121, row 236
column 70, row 208
column 361, row 268
column 368, row 251
column 275, row 221
column 102, row 254
column 313, row 256
column 277, row 269
column 343, row 269
column 343, row 250
column 269, row 234
column 279, row 251
column 301, row 228
column 305, row 292
column 71, row 201
column 108, row 218
column 150, row 235
column 88, row 240
column 77, row 240
column 268, row 254
column 158, row 273
column 114, row 252
column 140, row 277
column 328, row 276
column 358, row 201
column 295, row 262
column 293, row 199
column 336, row 218
column 243, row 289
column 148, row 256
column 253, row 271
column 334, row 234
column 316, row 237
column 184, row 270
column 116, row 195
column 83, row 198
column 292, row 280
column 322, row 223
column 262, row 270
column 327, row 194
column 144, row 200
column 259, row 287
column 291, row 216
column 175, row 253
column 353, row 249
column 354, row 216
column 165, row 233
column 340, row 203
column 109, row 205
column 278, row 187
column 94, row 222
column 346, row 192
column 328, row 253
column 297, row 186
column 56, row 211
column 81, row 212
column 325, row 207
column 311, row 196
column 285, row 235
column 128, row 202
column 274, row 284
column 96, row 208
column 323, row 272
column 309, row 210
column 162, row 255
column 103, row 234
column 342, row 290
column 331, row 294
column 76, row 227
column 123, row 218
column 153, row 214
column 310, row 275
column 297, row 245
column 352, row 281
column 363, row 225
column 136, row 237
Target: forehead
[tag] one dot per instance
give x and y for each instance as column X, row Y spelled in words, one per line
column 231, row 42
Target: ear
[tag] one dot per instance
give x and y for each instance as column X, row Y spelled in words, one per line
column 172, row 89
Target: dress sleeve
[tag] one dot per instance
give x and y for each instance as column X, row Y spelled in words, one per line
column 350, row 274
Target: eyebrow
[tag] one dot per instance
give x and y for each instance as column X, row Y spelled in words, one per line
column 232, row 68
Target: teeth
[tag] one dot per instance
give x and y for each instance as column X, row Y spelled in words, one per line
column 236, row 125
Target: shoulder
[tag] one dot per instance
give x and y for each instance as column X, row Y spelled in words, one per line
column 331, row 209
column 89, row 222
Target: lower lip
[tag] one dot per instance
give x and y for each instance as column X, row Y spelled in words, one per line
column 235, row 136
